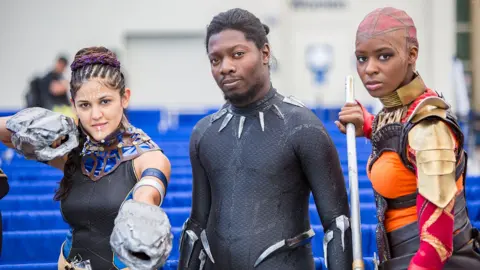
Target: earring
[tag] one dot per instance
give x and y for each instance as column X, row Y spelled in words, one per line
column 84, row 150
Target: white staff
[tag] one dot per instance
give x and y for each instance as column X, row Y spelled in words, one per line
column 353, row 183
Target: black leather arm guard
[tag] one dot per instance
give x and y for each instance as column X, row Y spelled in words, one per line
column 337, row 244
column 194, row 247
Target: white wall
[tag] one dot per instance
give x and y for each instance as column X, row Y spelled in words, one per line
column 32, row 33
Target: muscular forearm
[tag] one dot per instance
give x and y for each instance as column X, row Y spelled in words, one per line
column 436, row 235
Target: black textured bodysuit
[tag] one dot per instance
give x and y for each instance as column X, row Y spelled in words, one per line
column 253, row 171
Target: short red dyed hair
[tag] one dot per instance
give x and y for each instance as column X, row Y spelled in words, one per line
column 385, row 20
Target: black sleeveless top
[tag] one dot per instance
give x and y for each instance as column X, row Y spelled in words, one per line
column 100, row 185
column 91, row 208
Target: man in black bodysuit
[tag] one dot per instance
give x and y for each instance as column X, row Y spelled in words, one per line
column 254, row 164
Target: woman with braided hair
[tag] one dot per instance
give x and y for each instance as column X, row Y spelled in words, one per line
column 115, row 176
column 417, row 166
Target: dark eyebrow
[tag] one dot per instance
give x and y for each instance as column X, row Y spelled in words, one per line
column 379, row 50
column 231, row 48
column 81, row 100
column 99, row 98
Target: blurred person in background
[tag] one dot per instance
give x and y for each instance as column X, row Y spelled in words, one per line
column 254, row 164
column 51, row 91
column 115, row 176
column 418, row 163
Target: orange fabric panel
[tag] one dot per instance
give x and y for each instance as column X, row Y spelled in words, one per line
column 397, row 218
column 391, row 179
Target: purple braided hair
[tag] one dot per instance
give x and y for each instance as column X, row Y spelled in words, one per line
column 94, row 58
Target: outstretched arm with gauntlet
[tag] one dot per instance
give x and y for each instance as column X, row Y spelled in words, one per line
column 39, row 134
column 142, row 237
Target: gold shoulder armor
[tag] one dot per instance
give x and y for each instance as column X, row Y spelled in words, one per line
column 428, row 107
column 434, row 145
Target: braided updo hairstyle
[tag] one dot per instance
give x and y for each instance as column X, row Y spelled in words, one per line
column 89, row 63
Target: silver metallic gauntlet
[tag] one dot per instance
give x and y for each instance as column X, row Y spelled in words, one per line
column 342, row 223
column 34, row 130
column 192, row 236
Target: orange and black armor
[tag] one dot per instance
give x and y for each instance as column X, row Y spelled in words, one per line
column 417, row 169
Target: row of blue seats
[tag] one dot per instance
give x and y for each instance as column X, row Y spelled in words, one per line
column 177, row 177
column 139, row 116
column 181, row 168
column 177, row 159
column 29, row 182
column 43, row 246
column 49, row 242
column 147, row 117
column 52, row 219
column 170, row 265
column 176, row 150
column 178, row 196
column 45, row 202
column 48, row 183
column 176, row 143
column 43, row 174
